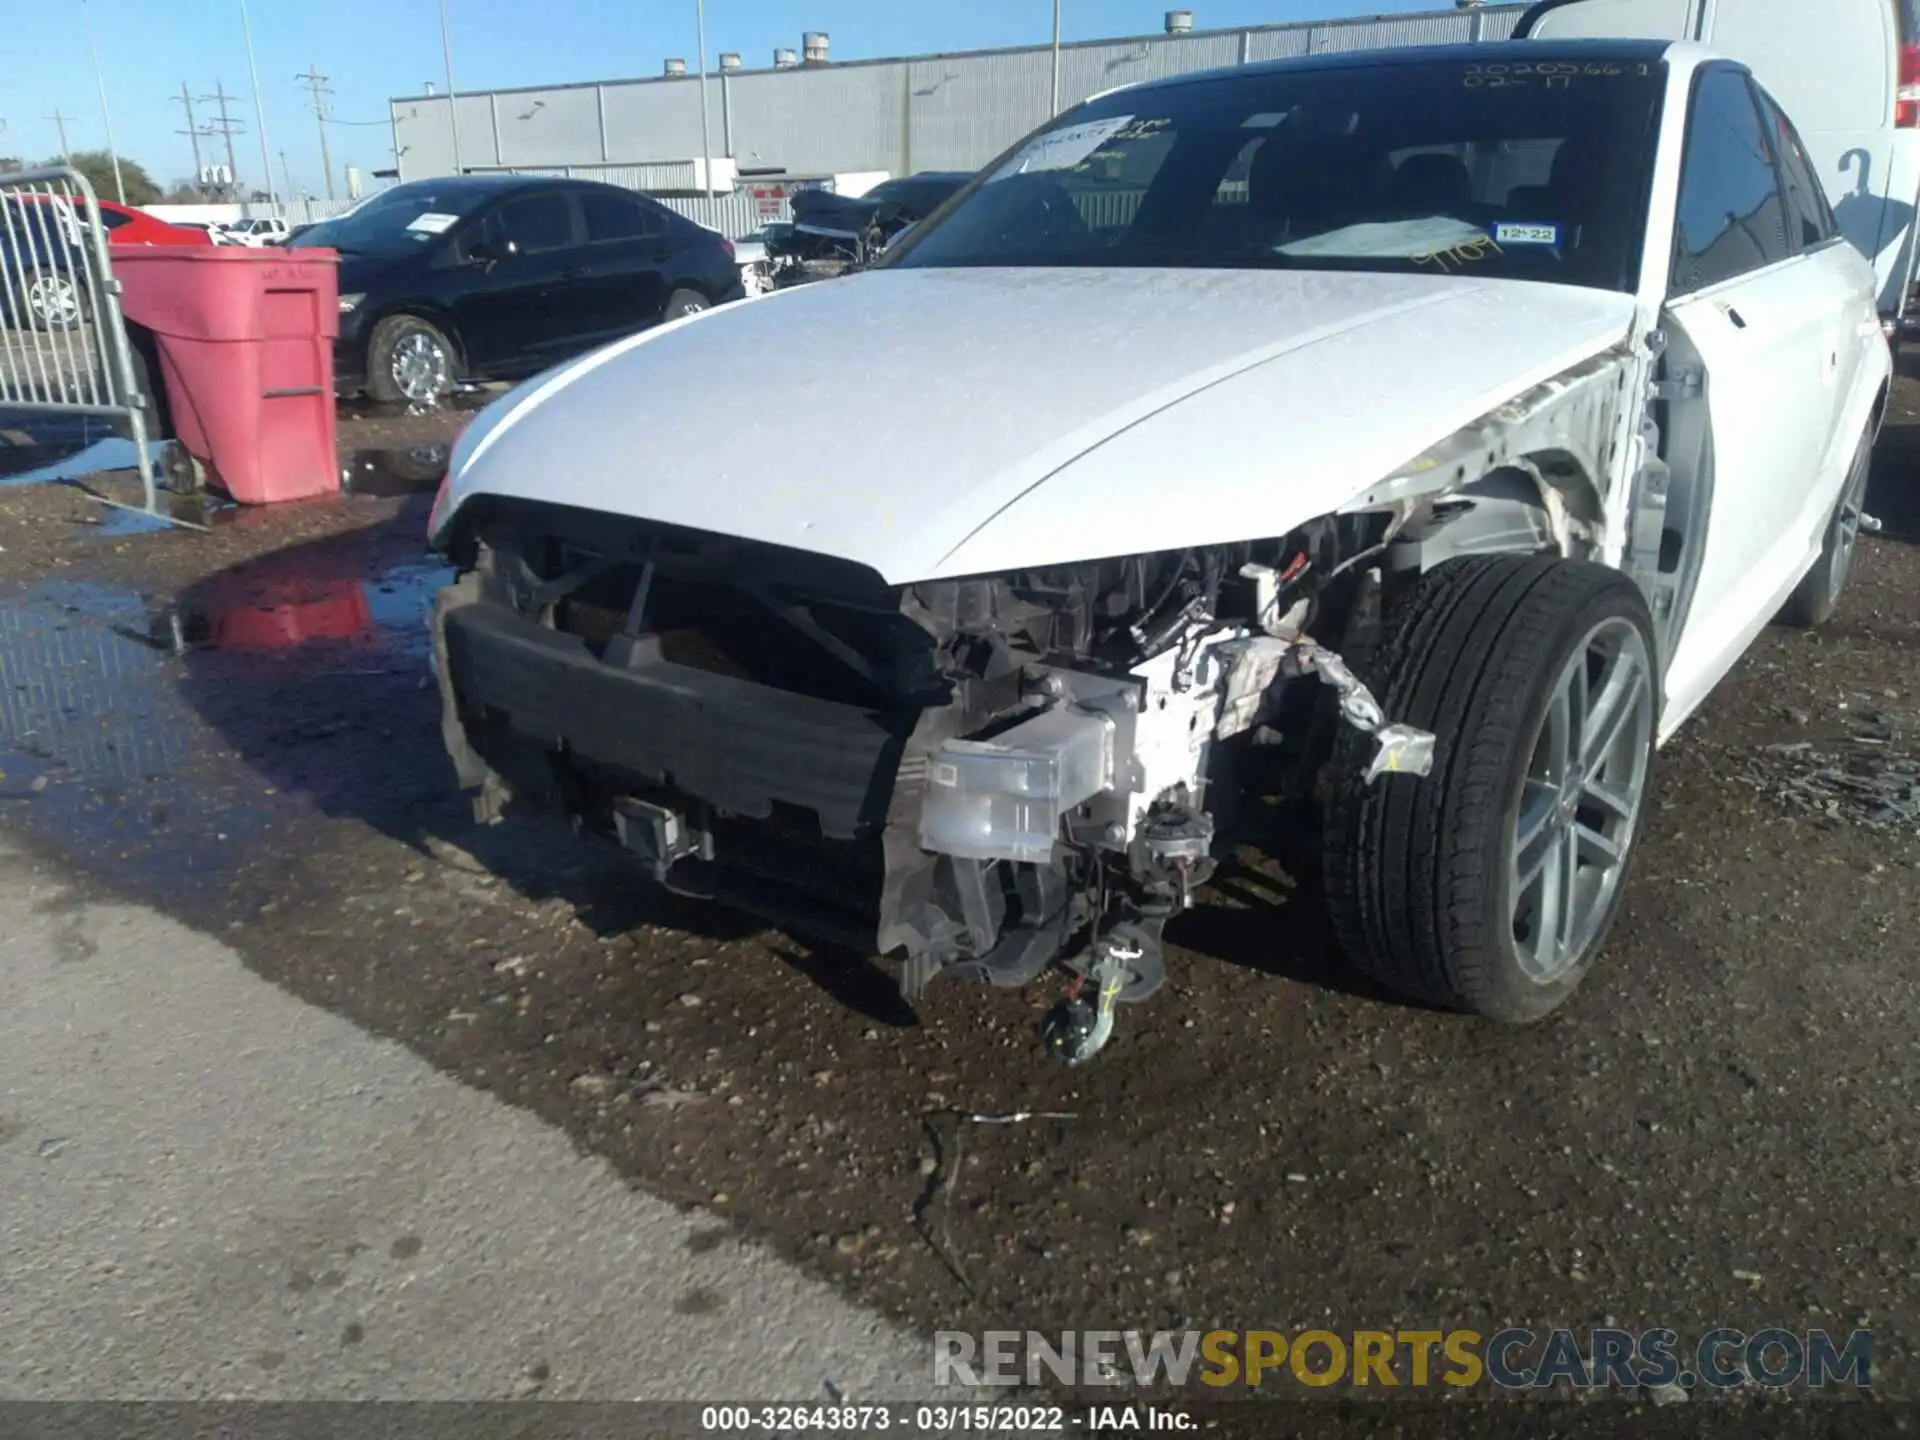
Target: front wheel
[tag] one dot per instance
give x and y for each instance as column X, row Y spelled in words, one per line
column 683, row 303
column 1490, row 885
column 1818, row 595
column 409, row 362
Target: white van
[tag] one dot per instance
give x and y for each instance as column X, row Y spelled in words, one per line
column 1847, row 72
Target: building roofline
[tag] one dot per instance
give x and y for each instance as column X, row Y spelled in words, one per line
column 693, row 77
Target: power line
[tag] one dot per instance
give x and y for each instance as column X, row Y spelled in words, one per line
column 192, row 132
column 320, row 100
column 226, row 127
column 60, row 124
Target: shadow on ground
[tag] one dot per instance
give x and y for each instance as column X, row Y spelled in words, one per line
column 1893, row 485
column 311, row 663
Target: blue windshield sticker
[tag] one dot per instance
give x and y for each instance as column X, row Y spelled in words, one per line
column 1514, row 232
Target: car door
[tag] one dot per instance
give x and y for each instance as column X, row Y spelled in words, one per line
column 625, row 261
column 1816, row 232
column 1751, row 322
column 506, row 311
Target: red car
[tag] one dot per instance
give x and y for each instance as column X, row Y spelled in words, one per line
column 127, row 226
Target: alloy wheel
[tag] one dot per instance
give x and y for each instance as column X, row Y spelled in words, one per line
column 54, row 300
column 1847, row 526
column 420, row 367
column 1581, row 799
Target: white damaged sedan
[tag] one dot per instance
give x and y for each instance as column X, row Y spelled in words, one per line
column 1417, row 435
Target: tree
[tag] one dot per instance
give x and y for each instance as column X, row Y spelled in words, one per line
column 11, row 162
column 97, row 166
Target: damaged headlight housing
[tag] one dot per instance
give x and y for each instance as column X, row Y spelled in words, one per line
column 1005, row 798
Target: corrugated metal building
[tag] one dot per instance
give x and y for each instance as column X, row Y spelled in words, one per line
column 929, row 112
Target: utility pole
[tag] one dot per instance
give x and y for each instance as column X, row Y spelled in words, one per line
column 60, row 124
column 706, row 136
column 106, row 116
column 227, row 127
column 259, row 110
column 192, row 132
column 453, row 98
column 286, row 173
column 1056, row 57
column 319, row 96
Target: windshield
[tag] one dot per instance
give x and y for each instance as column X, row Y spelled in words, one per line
column 401, row 220
column 1532, row 170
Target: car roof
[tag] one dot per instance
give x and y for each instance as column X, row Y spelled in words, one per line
column 1491, row 52
column 497, row 183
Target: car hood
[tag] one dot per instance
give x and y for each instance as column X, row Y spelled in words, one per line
column 937, row 422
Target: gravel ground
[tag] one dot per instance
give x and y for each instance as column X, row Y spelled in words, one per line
column 1717, row 1130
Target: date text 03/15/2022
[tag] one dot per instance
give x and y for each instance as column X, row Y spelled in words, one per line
column 942, row 1419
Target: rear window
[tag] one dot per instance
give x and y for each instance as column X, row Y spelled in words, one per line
column 1534, row 169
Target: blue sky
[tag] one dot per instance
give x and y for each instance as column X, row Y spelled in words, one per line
column 373, row 49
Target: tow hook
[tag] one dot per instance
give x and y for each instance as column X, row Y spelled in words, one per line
column 1127, row 968
column 1398, row 749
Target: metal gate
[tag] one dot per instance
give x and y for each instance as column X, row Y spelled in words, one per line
column 63, row 339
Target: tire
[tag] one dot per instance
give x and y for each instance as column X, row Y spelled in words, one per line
column 52, row 300
column 682, row 303
column 1818, row 594
column 1421, row 876
column 410, row 362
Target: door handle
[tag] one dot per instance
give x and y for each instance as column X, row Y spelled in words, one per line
column 1739, row 320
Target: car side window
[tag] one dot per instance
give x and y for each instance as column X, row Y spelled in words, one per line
column 1807, row 208
column 1731, row 218
column 612, row 217
column 536, row 223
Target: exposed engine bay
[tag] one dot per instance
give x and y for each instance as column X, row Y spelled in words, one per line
column 984, row 777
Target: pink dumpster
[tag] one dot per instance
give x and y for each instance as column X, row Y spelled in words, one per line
column 246, row 354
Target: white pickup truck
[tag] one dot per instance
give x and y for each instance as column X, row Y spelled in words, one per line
column 258, row 231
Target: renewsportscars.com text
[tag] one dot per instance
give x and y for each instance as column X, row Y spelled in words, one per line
column 1513, row 1359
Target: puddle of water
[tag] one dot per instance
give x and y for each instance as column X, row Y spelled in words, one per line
column 279, row 606
column 412, row 470
column 467, row 400
column 76, row 685
column 55, row 463
column 400, row 602
column 203, row 509
column 164, row 738
column 95, row 737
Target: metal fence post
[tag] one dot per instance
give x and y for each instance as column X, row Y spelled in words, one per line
column 63, row 338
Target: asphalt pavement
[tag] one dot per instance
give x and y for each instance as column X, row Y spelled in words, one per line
column 216, row 1191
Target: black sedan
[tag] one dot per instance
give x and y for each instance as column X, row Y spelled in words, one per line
column 497, row 277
